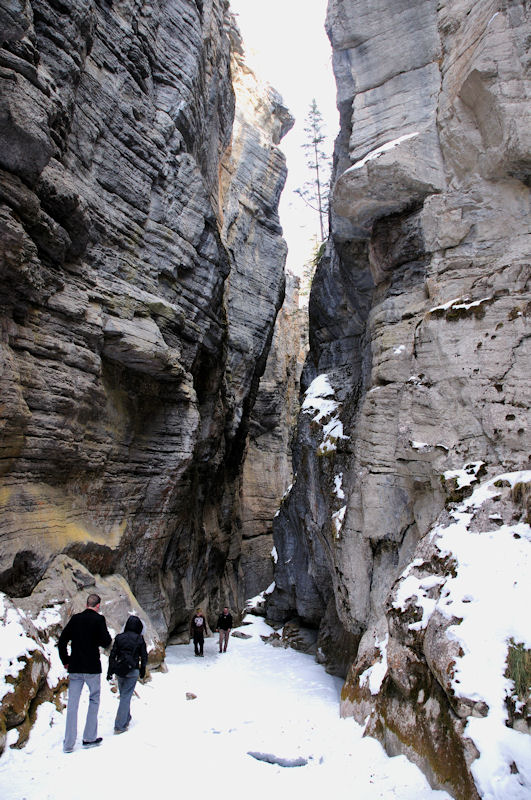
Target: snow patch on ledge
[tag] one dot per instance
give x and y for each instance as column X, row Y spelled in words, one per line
column 338, row 486
column 466, row 476
column 319, row 401
column 373, row 676
column 378, row 151
column 338, row 518
column 456, row 305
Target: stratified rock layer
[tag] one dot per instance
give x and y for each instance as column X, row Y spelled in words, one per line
column 139, row 293
column 267, row 471
column 419, row 321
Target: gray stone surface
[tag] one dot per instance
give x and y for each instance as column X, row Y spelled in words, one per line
column 267, row 470
column 419, row 318
column 142, row 270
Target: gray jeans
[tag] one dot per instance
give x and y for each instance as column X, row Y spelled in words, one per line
column 223, row 639
column 127, row 687
column 76, row 681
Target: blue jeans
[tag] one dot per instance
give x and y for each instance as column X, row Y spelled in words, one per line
column 126, row 686
column 76, row 681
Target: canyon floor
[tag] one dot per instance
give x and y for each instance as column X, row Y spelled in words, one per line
column 256, row 698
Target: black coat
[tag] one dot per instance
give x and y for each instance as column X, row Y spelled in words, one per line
column 86, row 632
column 224, row 622
column 129, row 646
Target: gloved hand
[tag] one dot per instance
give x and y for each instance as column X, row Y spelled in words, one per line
column 142, row 674
column 109, row 676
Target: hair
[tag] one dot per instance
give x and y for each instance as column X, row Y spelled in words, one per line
column 93, row 600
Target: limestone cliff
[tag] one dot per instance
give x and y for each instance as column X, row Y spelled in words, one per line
column 267, row 470
column 138, row 218
column 418, row 372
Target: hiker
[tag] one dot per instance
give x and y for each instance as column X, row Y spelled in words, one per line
column 224, row 626
column 86, row 632
column 198, row 629
column 127, row 661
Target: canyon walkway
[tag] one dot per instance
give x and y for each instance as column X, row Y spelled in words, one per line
column 278, row 704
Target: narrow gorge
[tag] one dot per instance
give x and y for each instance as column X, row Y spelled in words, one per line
column 177, row 431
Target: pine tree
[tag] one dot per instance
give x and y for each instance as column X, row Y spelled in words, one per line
column 315, row 192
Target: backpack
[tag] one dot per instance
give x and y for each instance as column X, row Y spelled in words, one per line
column 123, row 663
column 124, row 654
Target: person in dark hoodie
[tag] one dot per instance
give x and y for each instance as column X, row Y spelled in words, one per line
column 127, row 661
column 198, row 630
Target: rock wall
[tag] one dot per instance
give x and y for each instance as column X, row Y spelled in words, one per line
column 419, row 361
column 136, row 224
column 267, row 470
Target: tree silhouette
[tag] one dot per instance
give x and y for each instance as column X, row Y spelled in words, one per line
column 315, row 191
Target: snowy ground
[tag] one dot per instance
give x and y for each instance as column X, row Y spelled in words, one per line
column 253, row 698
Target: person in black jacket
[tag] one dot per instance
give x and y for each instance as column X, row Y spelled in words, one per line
column 127, row 661
column 224, row 627
column 86, row 632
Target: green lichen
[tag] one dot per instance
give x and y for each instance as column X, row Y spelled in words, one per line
column 435, row 741
column 519, row 669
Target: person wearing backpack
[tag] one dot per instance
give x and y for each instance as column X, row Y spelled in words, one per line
column 127, row 661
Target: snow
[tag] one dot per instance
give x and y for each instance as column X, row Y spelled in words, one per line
column 466, row 476
column 384, row 148
column 316, row 398
column 399, row 349
column 254, row 698
column 337, row 518
column 418, row 588
column 445, row 306
column 338, row 486
column 286, row 493
column 15, row 647
column 490, row 596
column 318, row 401
column 374, row 675
column 455, row 304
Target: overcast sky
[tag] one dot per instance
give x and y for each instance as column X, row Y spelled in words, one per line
column 286, row 45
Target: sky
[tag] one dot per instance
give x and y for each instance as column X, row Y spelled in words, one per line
column 287, row 46
column 255, row 698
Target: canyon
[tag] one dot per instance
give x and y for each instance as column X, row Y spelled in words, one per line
column 177, row 432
